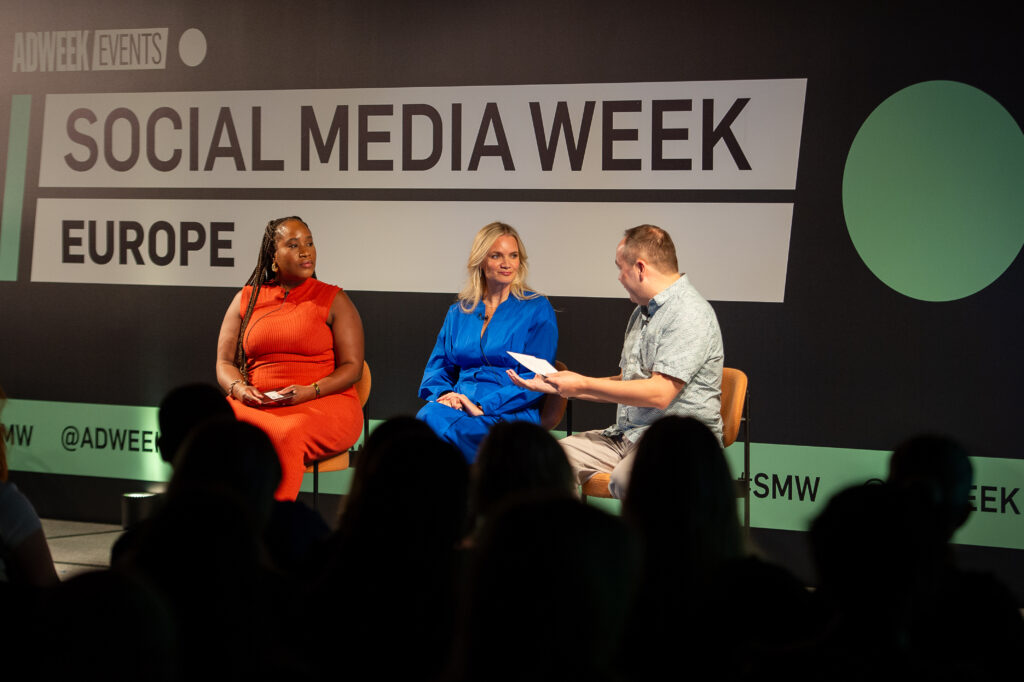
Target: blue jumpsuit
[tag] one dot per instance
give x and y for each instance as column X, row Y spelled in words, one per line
column 464, row 362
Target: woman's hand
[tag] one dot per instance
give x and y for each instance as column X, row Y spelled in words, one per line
column 248, row 394
column 469, row 406
column 296, row 394
column 457, row 401
column 452, row 400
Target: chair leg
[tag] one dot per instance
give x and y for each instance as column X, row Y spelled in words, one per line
column 316, row 485
column 366, row 425
column 746, row 460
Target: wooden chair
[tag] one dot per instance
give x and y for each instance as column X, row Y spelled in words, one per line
column 553, row 407
column 735, row 414
column 340, row 461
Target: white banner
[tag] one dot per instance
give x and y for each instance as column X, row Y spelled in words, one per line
column 732, row 252
column 742, row 134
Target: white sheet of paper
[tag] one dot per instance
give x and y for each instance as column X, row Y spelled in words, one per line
column 532, row 363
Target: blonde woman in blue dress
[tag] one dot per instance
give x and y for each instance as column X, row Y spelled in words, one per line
column 465, row 379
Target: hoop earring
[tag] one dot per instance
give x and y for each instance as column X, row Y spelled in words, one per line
column 273, row 266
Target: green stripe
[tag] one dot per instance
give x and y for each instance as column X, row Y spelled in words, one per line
column 791, row 483
column 83, row 439
column 14, row 187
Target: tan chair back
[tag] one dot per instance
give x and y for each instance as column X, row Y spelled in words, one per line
column 734, row 394
column 552, row 407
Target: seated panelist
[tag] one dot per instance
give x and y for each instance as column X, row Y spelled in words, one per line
column 671, row 361
column 465, row 379
column 289, row 353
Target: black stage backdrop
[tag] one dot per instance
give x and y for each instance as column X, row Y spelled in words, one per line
column 842, row 360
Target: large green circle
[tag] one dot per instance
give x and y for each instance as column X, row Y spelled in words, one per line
column 933, row 191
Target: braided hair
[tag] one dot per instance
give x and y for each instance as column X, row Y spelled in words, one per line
column 262, row 274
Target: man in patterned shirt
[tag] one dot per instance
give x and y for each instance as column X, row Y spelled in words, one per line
column 671, row 361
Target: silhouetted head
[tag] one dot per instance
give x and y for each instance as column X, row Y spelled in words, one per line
column 395, row 555
column 231, row 458
column 518, row 457
column 183, row 409
column 681, row 495
column 548, row 593
column 939, row 469
column 871, row 553
column 408, row 484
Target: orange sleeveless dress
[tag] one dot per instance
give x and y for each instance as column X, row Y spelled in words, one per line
column 288, row 342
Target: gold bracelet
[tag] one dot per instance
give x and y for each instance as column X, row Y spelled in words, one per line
column 316, row 387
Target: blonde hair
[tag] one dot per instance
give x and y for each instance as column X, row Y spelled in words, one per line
column 476, row 286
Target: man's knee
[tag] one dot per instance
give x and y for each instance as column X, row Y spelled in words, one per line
column 618, row 482
column 619, row 479
column 586, row 455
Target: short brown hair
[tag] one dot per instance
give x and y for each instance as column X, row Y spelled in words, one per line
column 654, row 245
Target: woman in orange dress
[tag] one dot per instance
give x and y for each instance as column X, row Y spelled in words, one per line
column 289, row 353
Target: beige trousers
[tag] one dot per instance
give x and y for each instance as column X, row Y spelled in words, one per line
column 592, row 452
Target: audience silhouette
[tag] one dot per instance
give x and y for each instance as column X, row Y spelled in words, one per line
column 516, row 458
column 224, row 582
column 24, row 555
column 704, row 599
column 388, row 587
column 963, row 623
column 203, row 551
column 183, row 409
column 547, row 595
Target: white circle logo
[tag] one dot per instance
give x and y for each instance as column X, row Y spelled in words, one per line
column 192, row 47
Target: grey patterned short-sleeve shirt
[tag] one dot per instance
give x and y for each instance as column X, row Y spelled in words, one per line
column 675, row 334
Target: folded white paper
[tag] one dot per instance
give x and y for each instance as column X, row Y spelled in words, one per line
column 536, row 365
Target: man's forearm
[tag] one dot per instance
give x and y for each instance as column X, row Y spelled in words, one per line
column 657, row 391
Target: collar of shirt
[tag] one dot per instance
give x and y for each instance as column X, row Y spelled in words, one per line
column 663, row 297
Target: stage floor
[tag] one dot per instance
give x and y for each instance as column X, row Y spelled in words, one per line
column 79, row 547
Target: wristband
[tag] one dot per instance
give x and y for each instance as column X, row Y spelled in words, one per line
column 316, row 387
